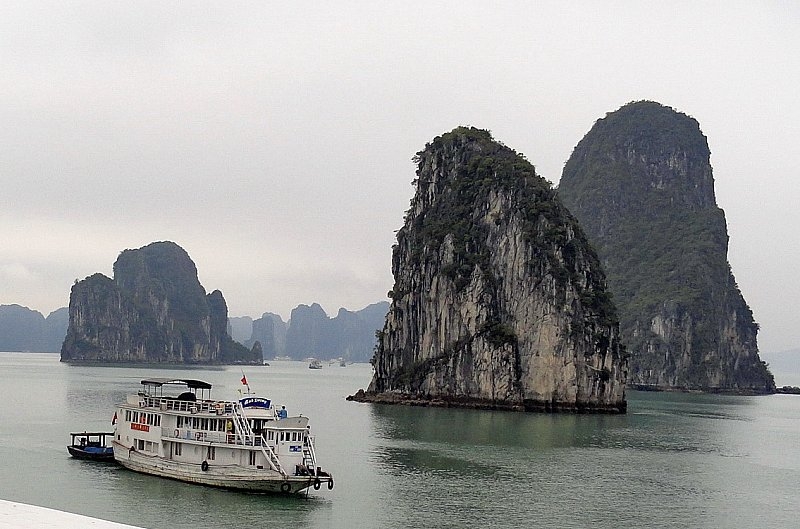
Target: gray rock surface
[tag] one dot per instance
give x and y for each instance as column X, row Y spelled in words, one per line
column 498, row 300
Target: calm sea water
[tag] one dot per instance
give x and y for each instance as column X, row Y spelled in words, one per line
column 675, row 460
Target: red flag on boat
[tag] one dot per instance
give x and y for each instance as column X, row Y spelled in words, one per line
column 114, row 420
column 244, row 380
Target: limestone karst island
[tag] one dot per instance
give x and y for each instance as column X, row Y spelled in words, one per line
column 498, row 301
column 154, row 310
column 641, row 185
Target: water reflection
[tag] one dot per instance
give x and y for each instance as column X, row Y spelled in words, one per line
column 492, row 428
column 585, row 467
column 675, row 460
column 151, row 500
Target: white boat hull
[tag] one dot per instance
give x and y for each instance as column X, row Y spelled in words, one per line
column 225, row 476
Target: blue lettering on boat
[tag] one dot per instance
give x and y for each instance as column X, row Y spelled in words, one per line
column 255, row 402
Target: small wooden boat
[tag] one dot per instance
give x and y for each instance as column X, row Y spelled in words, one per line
column 91, row 446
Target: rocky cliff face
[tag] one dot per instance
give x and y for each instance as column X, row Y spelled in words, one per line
column 154, row 310
column 270, row 331
column 240, row 328
column 641, row 184
column 23, row 329
column 349, row 335
column 498, row 299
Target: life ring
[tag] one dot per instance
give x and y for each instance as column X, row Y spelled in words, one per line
column 317, row 484
column 285, row 487
column 330, row 483
column 204, row 466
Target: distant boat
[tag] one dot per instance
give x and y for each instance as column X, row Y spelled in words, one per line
column 315, row 364
column 91, row 446
column 342, row 364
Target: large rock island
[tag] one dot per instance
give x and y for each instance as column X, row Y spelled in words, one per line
column 641, row 184
column 498, row 300
column 154, row 311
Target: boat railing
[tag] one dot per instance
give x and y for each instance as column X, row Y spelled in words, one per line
column 207, row 436
column 217, row 407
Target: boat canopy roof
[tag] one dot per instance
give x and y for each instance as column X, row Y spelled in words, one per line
column 190, row 383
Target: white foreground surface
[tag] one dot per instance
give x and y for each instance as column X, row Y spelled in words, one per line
column 13, row 514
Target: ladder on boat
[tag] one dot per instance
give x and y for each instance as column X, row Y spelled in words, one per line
column 246, row 436
column 309, row 455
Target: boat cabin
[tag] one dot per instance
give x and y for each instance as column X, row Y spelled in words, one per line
column 187, row 425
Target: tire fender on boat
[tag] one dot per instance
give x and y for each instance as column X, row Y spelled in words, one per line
column 330, row 483
column 285, row 487
column 204, row 466
column 317, row 484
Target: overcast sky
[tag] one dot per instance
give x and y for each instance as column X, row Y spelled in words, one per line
column 273, row 140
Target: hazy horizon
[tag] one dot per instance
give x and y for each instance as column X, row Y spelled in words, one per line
column 273, row 142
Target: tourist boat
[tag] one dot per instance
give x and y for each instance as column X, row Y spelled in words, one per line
column 91, row 446
column 315, row 364
column 243, row 444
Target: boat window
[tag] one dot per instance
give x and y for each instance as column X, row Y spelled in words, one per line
column 178, row 447
column 252, row 458
column 282, row 436
column 128, row 415
column 135, row 417
column 212, row 453
column 271, row 435
column 140, row 444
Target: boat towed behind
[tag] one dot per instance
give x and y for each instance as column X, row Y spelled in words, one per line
column 91, row 446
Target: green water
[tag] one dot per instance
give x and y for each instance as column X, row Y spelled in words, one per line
column 675, row 460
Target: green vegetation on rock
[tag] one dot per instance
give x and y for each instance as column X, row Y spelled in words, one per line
column 641, row 184
column 498, row 300
column 153, row 311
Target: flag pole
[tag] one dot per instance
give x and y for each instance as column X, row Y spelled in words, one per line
column 244, row 381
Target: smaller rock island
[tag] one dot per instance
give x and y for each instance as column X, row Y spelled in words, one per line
column 154, row 311
column 499, row 301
